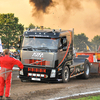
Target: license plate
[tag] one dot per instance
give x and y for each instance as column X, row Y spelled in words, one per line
column 36, row 79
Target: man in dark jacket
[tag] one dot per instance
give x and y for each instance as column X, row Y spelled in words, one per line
column 7, row 64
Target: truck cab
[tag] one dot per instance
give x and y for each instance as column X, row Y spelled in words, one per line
column 47, row 55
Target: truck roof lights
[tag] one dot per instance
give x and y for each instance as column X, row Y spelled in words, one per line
column 54, row 33
column 60, row 29
column 28, row 29
column 36, row 28
column 53, row 30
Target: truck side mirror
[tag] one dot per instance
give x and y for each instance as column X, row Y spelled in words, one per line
column 61, row 41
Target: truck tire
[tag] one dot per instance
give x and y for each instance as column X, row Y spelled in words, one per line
column 86, row 70
column 65, row 74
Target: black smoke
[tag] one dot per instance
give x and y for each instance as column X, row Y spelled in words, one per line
column 41, row 5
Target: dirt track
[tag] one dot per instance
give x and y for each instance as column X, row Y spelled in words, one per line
column 44, row 91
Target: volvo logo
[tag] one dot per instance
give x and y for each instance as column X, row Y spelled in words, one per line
column 37, row 55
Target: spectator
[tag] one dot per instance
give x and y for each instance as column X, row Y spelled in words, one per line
column 7, row 64
column 1, row 54
column 14, row 55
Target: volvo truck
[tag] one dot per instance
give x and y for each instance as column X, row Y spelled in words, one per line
column 47, row 55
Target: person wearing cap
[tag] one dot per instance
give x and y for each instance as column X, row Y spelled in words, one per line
column 7, row 64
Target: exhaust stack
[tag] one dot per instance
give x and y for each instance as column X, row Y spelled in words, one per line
column 41, row 27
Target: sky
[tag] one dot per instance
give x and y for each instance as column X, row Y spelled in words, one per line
column 82, row 15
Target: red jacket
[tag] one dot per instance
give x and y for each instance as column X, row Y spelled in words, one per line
column 9, row 62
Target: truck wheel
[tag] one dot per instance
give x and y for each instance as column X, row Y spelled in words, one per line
column 86, row 70
column 65, row 74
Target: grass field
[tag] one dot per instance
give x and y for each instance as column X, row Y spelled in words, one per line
column 88, row 98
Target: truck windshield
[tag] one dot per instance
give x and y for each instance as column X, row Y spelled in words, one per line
column 43, row 43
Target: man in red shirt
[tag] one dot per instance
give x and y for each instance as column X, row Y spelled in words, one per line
column 7, row 64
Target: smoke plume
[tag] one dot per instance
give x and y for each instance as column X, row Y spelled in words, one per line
column 92, row 21
column 83, row 15
column 71, row 4
column 97, row 3
column 43, row 6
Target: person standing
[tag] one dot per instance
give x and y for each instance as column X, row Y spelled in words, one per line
column 7, row 64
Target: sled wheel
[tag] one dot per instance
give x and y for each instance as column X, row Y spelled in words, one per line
column 86, row 70
column 65, row 74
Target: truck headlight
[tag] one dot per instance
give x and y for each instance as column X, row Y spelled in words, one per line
column 53, row 73
column 21, row 72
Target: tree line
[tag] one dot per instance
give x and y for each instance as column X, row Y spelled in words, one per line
column 10, row 29
column 81, row 42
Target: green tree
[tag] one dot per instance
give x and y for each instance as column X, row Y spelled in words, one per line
column 47, row 28
column 10, row 29
column 96, row 42
column 81, row 41
column 31, row 26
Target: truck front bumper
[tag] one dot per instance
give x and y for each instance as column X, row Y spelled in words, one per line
column 39, row 74
column 39, row 79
